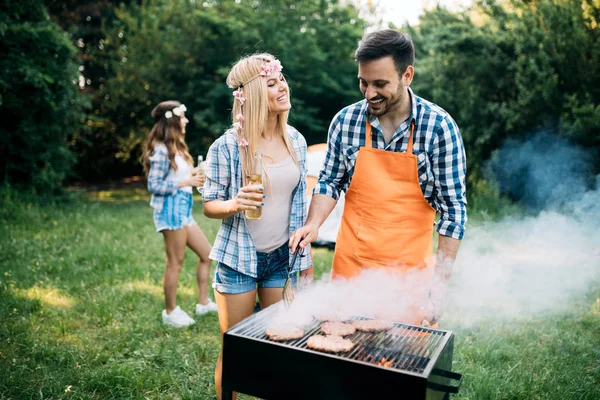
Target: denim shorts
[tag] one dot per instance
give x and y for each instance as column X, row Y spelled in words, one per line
column 176, row 212
column 272, row 273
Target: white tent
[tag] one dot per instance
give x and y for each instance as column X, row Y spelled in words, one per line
column 315, row 157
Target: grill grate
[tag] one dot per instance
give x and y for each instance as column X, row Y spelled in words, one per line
column 404, row 347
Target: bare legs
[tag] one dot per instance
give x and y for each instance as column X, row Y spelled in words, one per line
column 175, row 243
column 175, row 248
column 235, row 307
column 197, row 241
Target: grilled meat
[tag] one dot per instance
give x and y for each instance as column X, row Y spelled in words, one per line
column 337, row 328
column 329, row 344
column 282, row 333
column 372, row 325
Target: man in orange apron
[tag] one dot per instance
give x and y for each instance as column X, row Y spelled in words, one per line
column 400, row 159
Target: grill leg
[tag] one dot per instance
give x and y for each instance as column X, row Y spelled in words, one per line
column 226, row 394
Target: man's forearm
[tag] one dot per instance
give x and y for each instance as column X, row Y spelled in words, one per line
column 321, row 206
column 446, row 254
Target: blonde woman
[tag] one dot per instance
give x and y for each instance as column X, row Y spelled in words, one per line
column 253, row 255
column 171, row 176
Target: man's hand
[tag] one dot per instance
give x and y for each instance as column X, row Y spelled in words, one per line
column 303, row 237
column 438, row 296
column 438, row 288
column 306, row 278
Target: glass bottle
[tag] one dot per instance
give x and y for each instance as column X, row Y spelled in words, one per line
column 200, row 160
column 256, row 179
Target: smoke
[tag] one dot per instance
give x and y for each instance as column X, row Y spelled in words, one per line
column 544, row 172
column 524, row 266
column 375, row 293
column 530, row 266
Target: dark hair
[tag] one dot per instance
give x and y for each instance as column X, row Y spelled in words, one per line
column 387, row 42
column 168, row 132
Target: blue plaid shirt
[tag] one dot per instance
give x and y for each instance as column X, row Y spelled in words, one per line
column 158, row 184
column 437, row 144
column 233, row 245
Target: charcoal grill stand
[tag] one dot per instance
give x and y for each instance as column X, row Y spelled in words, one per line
column 256, row 366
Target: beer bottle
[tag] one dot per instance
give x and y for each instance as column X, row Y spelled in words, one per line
column 256, row 179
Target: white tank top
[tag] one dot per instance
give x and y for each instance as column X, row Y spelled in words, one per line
column 273, row 229
column 184, row 170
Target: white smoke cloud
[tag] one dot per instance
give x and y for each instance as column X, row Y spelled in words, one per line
column 521, row 267
column 529, row 266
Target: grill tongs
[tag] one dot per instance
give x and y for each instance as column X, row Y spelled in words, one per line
column 288, row 290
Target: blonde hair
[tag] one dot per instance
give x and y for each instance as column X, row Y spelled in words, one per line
column 168, row 132
column 245, row 75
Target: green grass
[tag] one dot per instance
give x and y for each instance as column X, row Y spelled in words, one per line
column 80, row 303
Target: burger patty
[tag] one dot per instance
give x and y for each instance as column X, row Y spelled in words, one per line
column 372, row 325
column 337, row 328
column 329, row 344
column 282, row 333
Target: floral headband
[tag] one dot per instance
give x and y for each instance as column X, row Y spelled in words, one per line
column 267, row 69
column 176, row 111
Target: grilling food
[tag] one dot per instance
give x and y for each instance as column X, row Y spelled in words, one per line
column 372, row 325
column 329, row 344
column 281, row 333
column 337, row 328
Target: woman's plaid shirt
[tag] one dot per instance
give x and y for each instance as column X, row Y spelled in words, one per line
column 234, row 246
column 158, row 184
column 437, row 144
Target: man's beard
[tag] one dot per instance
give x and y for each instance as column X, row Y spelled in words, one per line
column 386, row 105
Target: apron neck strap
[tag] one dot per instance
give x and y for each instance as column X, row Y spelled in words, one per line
column 369, row 139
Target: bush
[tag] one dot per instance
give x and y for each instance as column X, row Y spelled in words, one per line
column 40, row 103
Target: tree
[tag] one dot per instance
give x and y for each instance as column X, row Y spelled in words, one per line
column 40, row 105
column 522, row 66
column 183, row 50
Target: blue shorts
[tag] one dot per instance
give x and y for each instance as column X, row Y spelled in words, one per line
column 176, row 212
column 272, row 273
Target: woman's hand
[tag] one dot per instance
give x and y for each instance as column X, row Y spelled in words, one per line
column 194, row 181
column 249, row 197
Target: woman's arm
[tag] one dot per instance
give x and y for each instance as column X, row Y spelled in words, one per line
column 248, row 198
column 218, row 171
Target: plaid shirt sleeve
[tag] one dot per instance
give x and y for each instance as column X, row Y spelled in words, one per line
column 333, row 174
column 159, row 170
column 299, row 209
column 218, row 172
column 449, row 167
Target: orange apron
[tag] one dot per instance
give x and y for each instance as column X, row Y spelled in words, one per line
column 387, row 223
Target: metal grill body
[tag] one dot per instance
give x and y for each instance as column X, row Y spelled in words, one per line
column 406, row 362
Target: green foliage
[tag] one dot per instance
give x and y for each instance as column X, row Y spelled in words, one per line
column 40, row 105
column 183, row 50
column 505, row 69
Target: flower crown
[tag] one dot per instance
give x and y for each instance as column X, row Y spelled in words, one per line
column 267, row 69
column 176, row 111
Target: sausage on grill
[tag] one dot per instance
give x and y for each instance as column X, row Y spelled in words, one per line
column 337, row 328
column 329, row 344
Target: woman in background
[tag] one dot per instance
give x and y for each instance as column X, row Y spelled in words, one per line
column 253, row 255
column 171, row 177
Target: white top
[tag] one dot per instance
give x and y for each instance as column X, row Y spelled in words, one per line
column 272, row 230
column 184, row 170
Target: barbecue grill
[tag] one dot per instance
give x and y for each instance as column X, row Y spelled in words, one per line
column 406, row 362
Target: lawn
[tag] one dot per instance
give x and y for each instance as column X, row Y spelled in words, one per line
column 81, row 296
